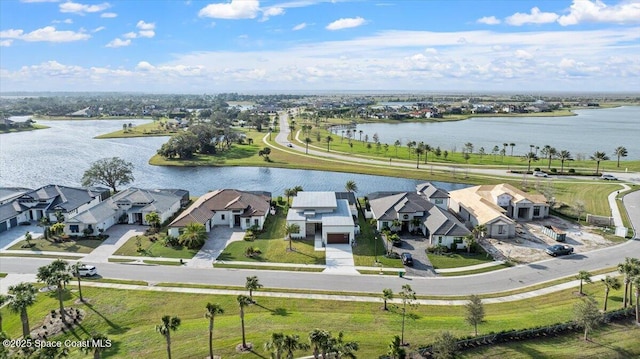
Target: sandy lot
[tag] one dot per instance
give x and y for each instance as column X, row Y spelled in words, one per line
column 529, row 244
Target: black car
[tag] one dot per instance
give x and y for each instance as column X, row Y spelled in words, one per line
column 407, row 259
column 558, row 250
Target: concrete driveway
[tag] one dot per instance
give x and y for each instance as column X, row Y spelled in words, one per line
column 219, row 238
column 16, row 234
column 339, row 259
column 417, row 247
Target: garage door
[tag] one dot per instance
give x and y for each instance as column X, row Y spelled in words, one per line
column 3, row 226
column 337, row 238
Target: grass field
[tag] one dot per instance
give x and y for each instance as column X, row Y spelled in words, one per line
column 129, row 317
column 72, row 246
column 369, row 248
column 153, row 249
column 455, row 260
column 144, row 130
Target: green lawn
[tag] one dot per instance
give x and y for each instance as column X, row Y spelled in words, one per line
column 79, row 245
column 369, row 248
column 459, row 259
column 144, row 130
column 476, row 271
column 594, row 195
column 154, row 249
column 129, row 319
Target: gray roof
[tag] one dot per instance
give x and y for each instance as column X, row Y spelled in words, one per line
column 63, row 197
column 311, row 200
column 441, row 222
column 349, row 196
column 10, row 210
column 430, row 191
column 386, row 208
column 341, row 216
column 10, row 193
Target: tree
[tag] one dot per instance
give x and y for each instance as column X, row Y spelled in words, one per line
column 636, row 282
column 579, row 208
column 396, row 351
column 475, row 312
column 111, row 172
column 564, row 155
column 275, row 345
column 28, row 238
column 243, row 301
column 620, row 151
column 340, row 348
column 598, row 157
column 96, row 345
column 445, row 346
column 469, row 240
column 387, row 294
column 351, row 186
column 396, row 145
column 504, row 150
column 289, row 230
column 530, row 157
column 419, row 151
column 212, row 311
column 56, row 274
column 168, row 325
column 153, row 219
column 307, row 141
column 609, row 283
column 583, row 276
column 629, row 268
column 408, row 297
column 23, row 296
column 549, row 152
column 291, row 343
column 587, row 315
column 75, row 268
column 252, row 284
column 328, row 139
column 3, row 300
column 319, row 340
column 193, row 236
column 512, row 145
column 289, row 192
column 184, row 145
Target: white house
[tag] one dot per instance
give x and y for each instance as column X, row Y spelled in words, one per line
column 69, row 201
column 129, row 206
column 226, row 207
column 322, row 213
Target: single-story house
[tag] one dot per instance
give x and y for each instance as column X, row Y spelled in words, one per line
column 225, row 207
column 322, row 213
column 498, row 207
column 46, row 201
column 129, row 206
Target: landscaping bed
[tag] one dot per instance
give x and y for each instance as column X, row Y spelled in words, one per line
column 72, row 245
column 153, row 246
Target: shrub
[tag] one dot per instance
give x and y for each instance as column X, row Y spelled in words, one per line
column 454, row 246
column 572, row 170
column 249, row 236
column 537, row 169
column 170, row 241
column 554, row 170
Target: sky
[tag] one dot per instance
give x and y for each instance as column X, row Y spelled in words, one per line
column 246, row 46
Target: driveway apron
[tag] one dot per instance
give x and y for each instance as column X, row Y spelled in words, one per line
column 216, row 242
column 339, row 259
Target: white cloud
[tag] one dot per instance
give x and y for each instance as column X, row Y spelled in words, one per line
column 82, row 9
column 522, row 54
column 597, row 11
column 130, row 35
column 108, row 15
column 272, row 11
column 45, row 34
column 118, row 43
column 6, row 43
column 146, row 29
column 535, row 17
column 65, row 21
column 98, row 29
column 236, row 9
column 299, row 26
column 488, row 20
column 346, row 23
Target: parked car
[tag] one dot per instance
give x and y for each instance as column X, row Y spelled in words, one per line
column 540, row 174
column 609, row 178
column 87, row 271
column 558, row 250
column 289, row 145
column 407, row 259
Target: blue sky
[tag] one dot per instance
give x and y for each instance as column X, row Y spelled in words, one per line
column 314, row 45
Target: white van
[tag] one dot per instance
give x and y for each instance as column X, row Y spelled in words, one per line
column 87, row 271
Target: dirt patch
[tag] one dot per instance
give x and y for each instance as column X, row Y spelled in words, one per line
column 53, row 323
column 529, row 244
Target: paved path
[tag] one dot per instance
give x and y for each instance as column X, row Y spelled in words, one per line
column 118, row 235
column 219, row 238
column 339, row 259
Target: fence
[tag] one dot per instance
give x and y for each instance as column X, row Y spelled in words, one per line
column 600, row 220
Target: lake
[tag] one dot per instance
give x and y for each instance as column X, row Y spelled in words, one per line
column 61, row 154
column 589, row 131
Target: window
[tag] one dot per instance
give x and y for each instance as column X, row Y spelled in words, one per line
column 74, row 228
column 457, row 240
column 256, row 222
column 222, row 217
column 536, row 211
column 440, row 240
column 385, row 224
column 247, row 221
column 439, row 201
column 500, row 229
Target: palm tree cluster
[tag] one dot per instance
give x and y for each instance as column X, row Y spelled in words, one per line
column 325, row 345
column 292, row 192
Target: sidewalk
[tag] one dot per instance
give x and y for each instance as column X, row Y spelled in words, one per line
column 469, row 268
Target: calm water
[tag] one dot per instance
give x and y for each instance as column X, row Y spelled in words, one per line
column 590, row 131
column 61, row 154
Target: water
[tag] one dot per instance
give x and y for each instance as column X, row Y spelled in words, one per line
column 61, row 154
column 589, row 131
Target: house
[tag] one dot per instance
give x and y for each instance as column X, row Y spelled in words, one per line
column 324, row 215
column 498, row 207
column 226, row 207
column 422, row 211
column 11, row 212
column 51, row 199
column 129, row 206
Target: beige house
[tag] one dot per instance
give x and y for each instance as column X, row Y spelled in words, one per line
column 498, row 207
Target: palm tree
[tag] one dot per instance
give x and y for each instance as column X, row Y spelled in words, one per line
column 609, row 283
column 291, row 343
column 76, row 271
column 3, row 299
column 564, row 155
column 252, row 284
column 530, row 157
column 419, row 151
column 153, row 219
column 620, row 151
column 351, row 186
column 56, row 274
column 243, row 301
column 289, row 230
column 479, row 231
column 28, row 237
column 169, row 324
column 469, row 240
column 599, row 156
column 24, row 296
column 504, row 150
column 550, row 153
column 583, row 276
column 212, row 311
column 410, row 145
column 289, row 192
column 297, row 189
column 396, row 144
column 387, row 294
column 512, row 145
column 340, row 348
column 636, row 282
column 307, row 141
column 629, row 268
column 360, row 132
column 275, row 345
column 328, row 139
column 193, row 236
column 97, row 348
column 319, row 340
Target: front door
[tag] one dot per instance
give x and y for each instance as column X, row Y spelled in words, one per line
column 236, row 220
